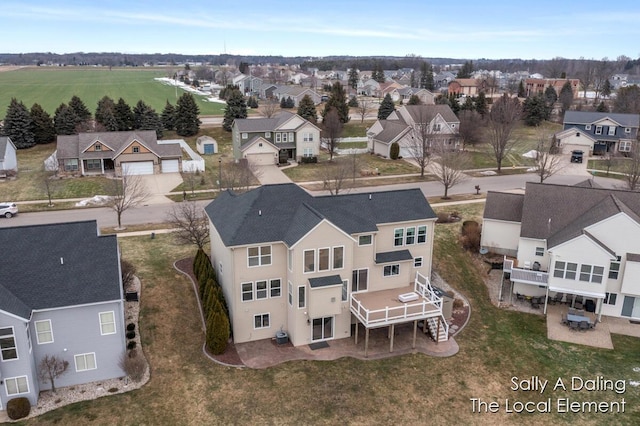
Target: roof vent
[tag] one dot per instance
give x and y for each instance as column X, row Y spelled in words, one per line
column 369, row 196
column 259, row 212
column 62, row 260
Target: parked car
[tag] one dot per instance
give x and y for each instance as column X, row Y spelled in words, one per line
column 576, row 156
column 8, row 209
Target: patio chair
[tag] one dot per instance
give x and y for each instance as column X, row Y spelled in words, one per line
column 573, row 325
column 584, row 325
column 572, row 311
column 564, row 320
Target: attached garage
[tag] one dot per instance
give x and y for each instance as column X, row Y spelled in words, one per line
column 170, row 166
column 261, row 159
column 137, row 168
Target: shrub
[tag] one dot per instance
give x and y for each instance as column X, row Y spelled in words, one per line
column 394, row 151
column 131, row 334
column 131, row 326
column 112, row 390
column 443, row 218
column 135, row 366
column 128, row 274
column 217, row 332
column 309, row 160
column 471, row 235
column 458, row 304
column 131, row 345
column 18, row 408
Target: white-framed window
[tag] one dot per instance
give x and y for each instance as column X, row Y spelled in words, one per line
column 436, row 127
column 309, row 261
column 259, row 255
column 44, row 332
column 323, row 259
column 307, row 137
column 338, row 257
column 278, row 137
column 587, row 127
column 16, row 385
column 85, row 362
column 614, row 268
column 410, row 236
column 391, row 270
column 275, row 287
column 290, row 292
column 345, row 290
column 261, row 289
column 261, row 321
column 97, row 147
column 307, row 152
column 246, row 290
column 71, row 164
column 107, row 323
column 539, row 251
column 422, row 234
column 284, row 137
column 591, row 273
column 624, row 146
column 610, row 298
column 598, row 130
column 28, row 331
column 398, row 236
column 418, row 262
column 359, row 280
column 365, row 240
column 612, row 130
column 245, row 135
column 302, row 296
column 8, row 348
column 136, row 149
column 291, row 137
column 566, row 270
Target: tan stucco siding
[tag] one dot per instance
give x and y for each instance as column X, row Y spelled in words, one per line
column 500, row 236
column 124, row 157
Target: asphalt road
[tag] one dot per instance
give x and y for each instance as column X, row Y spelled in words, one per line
column 157, row 213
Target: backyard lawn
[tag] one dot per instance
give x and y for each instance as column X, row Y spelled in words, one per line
column 187, row 388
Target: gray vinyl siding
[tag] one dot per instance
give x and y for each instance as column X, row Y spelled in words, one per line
column 23, row 366
column 76, row 331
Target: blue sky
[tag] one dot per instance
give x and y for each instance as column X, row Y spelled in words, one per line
column 458, row 29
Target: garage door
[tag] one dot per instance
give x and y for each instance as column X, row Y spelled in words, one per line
column 170, row 166
column 261, row 159
column 405, row 153
column 137, row 168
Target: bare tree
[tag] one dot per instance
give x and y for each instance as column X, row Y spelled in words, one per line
column 50, row 368
column 423, row 132
column 502, row 120
column 190, row 177
column 471, row 127
column 602, row 73
column 365, row 106
column 586, row 74
column 547, row 161
column 126, row 193
column 449, row 165
column 128, row 272
column 269, row 108
column 240, row 176
column 191, row 224
column 335, row 176
column 631, row 170
column 331, row 131
column 49, row 185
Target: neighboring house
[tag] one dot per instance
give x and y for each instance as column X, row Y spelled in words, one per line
column 8, row 159
column 443, row 79
column 248, row 84
column 598, row 133
column 265, row 91
column 60, row 295
column 467, row 86
column 286, row 136
column 569, row 241
column 313, row 266
column 134, row 152
column 404, row 94
column 404, row 123
column 296, row 93
column 537, row 86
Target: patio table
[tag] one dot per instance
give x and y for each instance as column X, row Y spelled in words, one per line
column 578, row 318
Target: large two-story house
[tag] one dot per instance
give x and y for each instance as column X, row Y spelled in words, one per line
column 569, row 242
column 598, row 133
column 60, row 295
column 287, row 136
column 405, row 124
column 314, row 266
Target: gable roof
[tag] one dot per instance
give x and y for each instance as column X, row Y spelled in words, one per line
column 588, row 117
column 503, row 206
column 57, row 265
column 420, row 112
column 285, row 212
column 4, row 141
column 74, row 146
column 391, row 131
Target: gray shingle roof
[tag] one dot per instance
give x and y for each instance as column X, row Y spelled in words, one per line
column 32, row 275
column 249, row 125
column 393, row 256
column 503, row 206
column 420, row 112
column 392, row 130
column 588, row 117
column 286, row 212
column 325, row 281
column 72, row 146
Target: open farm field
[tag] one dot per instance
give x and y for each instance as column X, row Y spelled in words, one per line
column 52, row 86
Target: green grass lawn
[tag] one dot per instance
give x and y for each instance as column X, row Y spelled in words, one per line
column 187, row 388
column 52, row 86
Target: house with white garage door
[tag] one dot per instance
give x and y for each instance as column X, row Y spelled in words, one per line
column 134, row 153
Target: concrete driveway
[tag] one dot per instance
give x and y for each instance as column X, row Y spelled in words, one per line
column 160, row 184
column 573, row 169
column 269, row 174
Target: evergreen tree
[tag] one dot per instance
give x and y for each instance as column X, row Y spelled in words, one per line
column 535, row 110
column 386, row 107
column 468, row 104
column 394, row 151
column 290, row 103
column 146, row 118
column 42, row 125
column 236, row 108
column 412, row 81
column 18, row 125
column 466, row 70
column 283, row 103
column 521, row 91
column 124, row 115
column 414, row 100
column 378, row 73
column 169, row 116
column 80, row 109
column 481, row 104
column 566, row 96
column 187, row 121
column 338, row 101
column 105, row 114
column 252, row 102
column 307, row 109
column 550, row 95
column 65, row 120
column 454, row 104
column 353, row 102
column 353, row 77
column 217, row 332
column 426, row 76
column 606, row 88
column 602, row 107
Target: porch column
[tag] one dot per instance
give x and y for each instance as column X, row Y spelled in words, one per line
column 357, row 327
column 366, row 342
column 415, row 332
column 600, row 303
column 102, row 165
column 546, row 298
column 392, row 329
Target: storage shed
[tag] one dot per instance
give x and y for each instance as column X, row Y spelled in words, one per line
column 206, row 145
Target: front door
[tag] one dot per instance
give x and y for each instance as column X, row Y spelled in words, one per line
column 322, row 329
